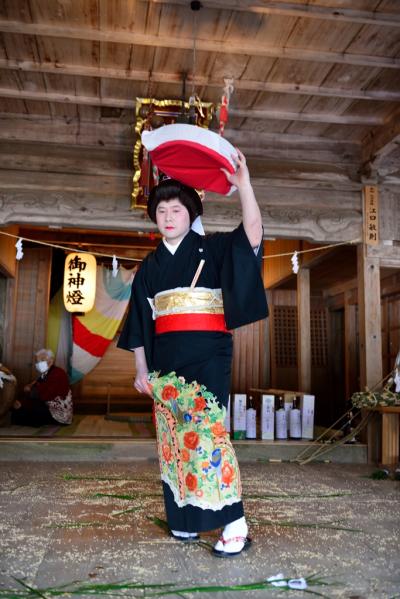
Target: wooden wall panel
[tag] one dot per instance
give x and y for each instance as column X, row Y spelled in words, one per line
column 3, row 295
column 277, row 269
column 283, row 344
column 283, row 329
column 390, row 331
column 248, row 366
column 394, row 328
column 8, row 263
column 31, row 310
column 308, row 257
column 113, row 376
column 287, row 374
column 9, row 319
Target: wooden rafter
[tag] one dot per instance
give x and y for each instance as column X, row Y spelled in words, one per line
column 380, row 143
column 68, row 98
column 175, row 78
column 289, row 9
column 122, row 36
column 305, row 117
column 40, row 128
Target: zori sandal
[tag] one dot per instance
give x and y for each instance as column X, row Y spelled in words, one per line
column 225, row 543
column 190, row 539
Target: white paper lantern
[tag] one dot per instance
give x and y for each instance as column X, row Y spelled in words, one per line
column 79, row 282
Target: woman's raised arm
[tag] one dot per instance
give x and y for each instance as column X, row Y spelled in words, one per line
column 251, row 215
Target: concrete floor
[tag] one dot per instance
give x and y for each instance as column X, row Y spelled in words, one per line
column 55, row 531
column 119, row 450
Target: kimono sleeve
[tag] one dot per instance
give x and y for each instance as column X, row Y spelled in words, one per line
column 55, row 385
column 241, row 282
column 138, row 329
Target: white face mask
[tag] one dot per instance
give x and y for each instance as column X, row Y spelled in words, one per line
column 42, row 366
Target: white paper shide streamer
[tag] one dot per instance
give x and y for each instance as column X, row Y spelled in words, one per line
column 294, row 583
column 20, row 253
column 295, row 263
column 114, row 266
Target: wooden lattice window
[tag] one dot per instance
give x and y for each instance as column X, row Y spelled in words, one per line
column 285, row 336
column 319, row 338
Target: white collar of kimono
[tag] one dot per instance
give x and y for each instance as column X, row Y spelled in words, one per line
column 197, row 227
column 172, row 248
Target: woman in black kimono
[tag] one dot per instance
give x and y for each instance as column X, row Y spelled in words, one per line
column 185, row 298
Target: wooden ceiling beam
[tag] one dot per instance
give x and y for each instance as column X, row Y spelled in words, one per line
column 51, row 167
column 82, row 237
column 317, row 179
column 67, row 132
column 263, row 139
column 273, row 114
column 30, row 131
column 110, row 133
column 282, row 115
column 289, row 9
column 106, row 185
column 122, row 36
column 380, row 143
column 176, row 79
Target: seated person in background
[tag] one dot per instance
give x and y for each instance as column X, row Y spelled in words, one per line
column 48, row 399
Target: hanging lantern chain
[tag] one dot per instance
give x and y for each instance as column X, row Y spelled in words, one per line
column 195, row 6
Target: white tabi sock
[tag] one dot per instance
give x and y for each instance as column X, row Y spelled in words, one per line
column 233, row 530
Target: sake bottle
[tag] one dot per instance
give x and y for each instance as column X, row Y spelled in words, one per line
column 295, row 419
column 280, row 419
column 251, row 420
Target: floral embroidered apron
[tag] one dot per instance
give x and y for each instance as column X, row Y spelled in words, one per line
column 197, row 459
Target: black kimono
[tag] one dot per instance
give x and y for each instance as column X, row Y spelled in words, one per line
column 201, row 479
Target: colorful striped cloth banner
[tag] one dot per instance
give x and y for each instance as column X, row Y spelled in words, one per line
column 59, row 331
column 93, row 332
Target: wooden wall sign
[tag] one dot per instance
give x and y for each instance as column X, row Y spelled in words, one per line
column 151, row 114
column 371, row 215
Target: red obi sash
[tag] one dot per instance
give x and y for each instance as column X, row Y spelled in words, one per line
column 190, row 322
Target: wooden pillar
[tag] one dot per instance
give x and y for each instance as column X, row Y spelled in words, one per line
column 303, row 330
column 350, row 345
column 274, row 374
column 369, row 319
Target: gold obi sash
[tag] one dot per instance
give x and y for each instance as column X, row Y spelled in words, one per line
column 189, row 309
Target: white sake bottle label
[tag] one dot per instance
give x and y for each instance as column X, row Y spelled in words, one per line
column 281, row 426
column 288, row 408
column 295, row 424
column 251, row 427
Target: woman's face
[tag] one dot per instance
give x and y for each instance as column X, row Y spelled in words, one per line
column 43, row 362
column 173, row 220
